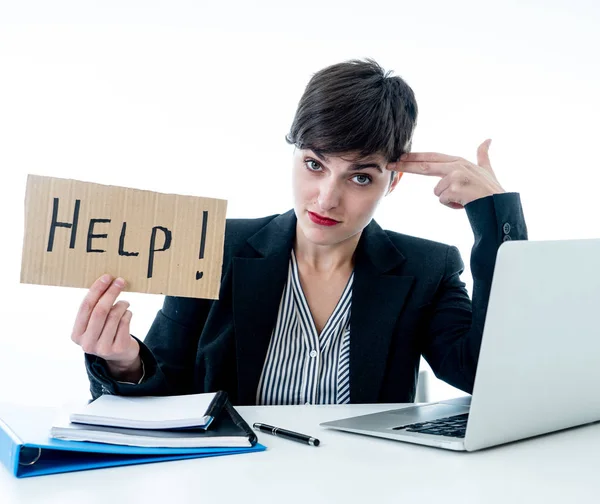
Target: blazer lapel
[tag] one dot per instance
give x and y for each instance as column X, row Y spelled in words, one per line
column 377, row 299
column 258, row 283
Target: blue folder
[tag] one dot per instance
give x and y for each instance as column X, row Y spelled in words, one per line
column 27, row 450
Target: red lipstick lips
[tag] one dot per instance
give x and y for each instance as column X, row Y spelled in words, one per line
column 322, row 221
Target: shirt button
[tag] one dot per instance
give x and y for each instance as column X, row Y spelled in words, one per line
column 506, row 228
column 506, row 238
column 313, row 353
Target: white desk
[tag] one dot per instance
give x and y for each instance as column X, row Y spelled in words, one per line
column 562, row 467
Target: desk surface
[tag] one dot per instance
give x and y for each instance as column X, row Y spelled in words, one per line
column 562, row 467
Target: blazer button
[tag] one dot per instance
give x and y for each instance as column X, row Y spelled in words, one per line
column 506, row 238
column 506, row 228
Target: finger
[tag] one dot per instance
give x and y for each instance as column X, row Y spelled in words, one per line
column 451, row 198
column 423, row 168
column 109, row 332
column 95, row 292
column 101, row 345
column 103, row 307
column 123, row 336
column 483, row 158
column 441, row 186
column 428, row 157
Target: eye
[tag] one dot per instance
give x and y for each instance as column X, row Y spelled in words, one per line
column 362, row 179
column 312, row 165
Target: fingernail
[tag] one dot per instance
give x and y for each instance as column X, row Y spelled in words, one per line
column 105, row 278
column 403, row 157
column 120, row 282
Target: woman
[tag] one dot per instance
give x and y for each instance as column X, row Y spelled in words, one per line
column 320, row 305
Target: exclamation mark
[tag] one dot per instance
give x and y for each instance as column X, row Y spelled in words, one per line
column 202, row 241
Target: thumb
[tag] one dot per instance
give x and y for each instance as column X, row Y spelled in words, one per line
column 483, row 158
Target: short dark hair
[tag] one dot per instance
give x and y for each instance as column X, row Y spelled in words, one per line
column 355, row 106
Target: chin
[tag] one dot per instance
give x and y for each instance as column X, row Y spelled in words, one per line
column 324, row 236
column 318, row 237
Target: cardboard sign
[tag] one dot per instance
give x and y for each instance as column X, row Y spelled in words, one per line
column 159, row 243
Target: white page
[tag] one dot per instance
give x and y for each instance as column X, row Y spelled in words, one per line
column 146, row 411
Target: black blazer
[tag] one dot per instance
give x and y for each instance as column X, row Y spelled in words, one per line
column 407, row 301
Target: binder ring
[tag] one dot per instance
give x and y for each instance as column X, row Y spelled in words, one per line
column 28, row 455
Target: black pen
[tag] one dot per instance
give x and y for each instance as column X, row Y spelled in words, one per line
column 287, row 434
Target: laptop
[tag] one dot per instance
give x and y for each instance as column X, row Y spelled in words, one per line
column 539, row 364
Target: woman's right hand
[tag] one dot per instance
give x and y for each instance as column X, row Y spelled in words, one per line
column 102, row 329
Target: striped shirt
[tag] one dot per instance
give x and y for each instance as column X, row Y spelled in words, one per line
column 302, row 366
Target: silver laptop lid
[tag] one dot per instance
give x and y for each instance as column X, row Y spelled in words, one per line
column 539, row 365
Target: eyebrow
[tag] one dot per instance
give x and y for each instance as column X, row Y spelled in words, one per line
column 353, row 166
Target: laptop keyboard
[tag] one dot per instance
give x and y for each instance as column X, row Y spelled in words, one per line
column 453, row 426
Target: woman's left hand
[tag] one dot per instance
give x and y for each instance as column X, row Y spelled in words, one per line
column 461, row 181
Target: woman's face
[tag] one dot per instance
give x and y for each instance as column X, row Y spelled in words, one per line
column 335, row 197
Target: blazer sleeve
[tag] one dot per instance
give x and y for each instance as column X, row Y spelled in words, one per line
column 456, row 324
column 168, row 353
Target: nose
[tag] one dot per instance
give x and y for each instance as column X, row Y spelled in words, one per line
column 329, row 194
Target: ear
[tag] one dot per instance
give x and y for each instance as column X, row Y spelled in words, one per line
column 396, row 178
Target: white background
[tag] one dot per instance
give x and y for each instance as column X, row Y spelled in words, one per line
column 195, row 97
